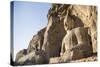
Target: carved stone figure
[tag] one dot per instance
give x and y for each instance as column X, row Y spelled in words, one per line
column 75, row 44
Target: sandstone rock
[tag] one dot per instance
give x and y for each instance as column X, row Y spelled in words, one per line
column 87, row 59
column 72, row 21
column 37, row 41
column 34, row 44
column 55, row 60
column 94, row 37
column 79, row 14
column 70, row 34
column 34, row 54
column 53, row 37
column 34, row 57
column 88, row 14
column 20, row 54
column 75, row 45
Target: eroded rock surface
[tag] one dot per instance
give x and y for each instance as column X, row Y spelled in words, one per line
column 34, row 57
column 37, row 41
column 20, row 54
column 53, row 37
column 70, row 35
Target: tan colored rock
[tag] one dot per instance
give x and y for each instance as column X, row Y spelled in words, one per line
column 75, row 45
column 37, row 41
column 71, row 34
column 93, row 34
column 34, row 57
column 72, row 21
column 20, row 54
column 55, row 60
column 88, row 14
column 53, row 36
column 34, row 44
column 87, row 59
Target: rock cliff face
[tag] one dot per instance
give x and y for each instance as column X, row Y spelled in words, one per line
column 70, row 35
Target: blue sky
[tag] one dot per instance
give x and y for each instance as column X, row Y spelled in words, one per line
column 29, row 18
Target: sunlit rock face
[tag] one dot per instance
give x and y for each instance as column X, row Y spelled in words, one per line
column 88, row 14
column 70, row 36
column 53, row 37
column 37, row 41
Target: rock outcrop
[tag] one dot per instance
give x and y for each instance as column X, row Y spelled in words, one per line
column 34, row 53
column 53, row 36
column 70, row 35
column 37, row 41
column 20, row 54
column 34, row 57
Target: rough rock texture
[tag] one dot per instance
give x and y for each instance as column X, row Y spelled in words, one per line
column 56, row 60
column 94, row 37
column 53, row 37
column 33, row 54
column 75, row 44
column 87, row 59
column 88, row 15
column 34, row 57
column 20, row 54
column 70, row 36
column 37, row 41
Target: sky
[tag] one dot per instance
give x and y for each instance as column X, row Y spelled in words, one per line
column 29, row 18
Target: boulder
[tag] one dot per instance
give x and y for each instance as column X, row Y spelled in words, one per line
column 54, row 60
column 20, row 54
column 34, row 57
